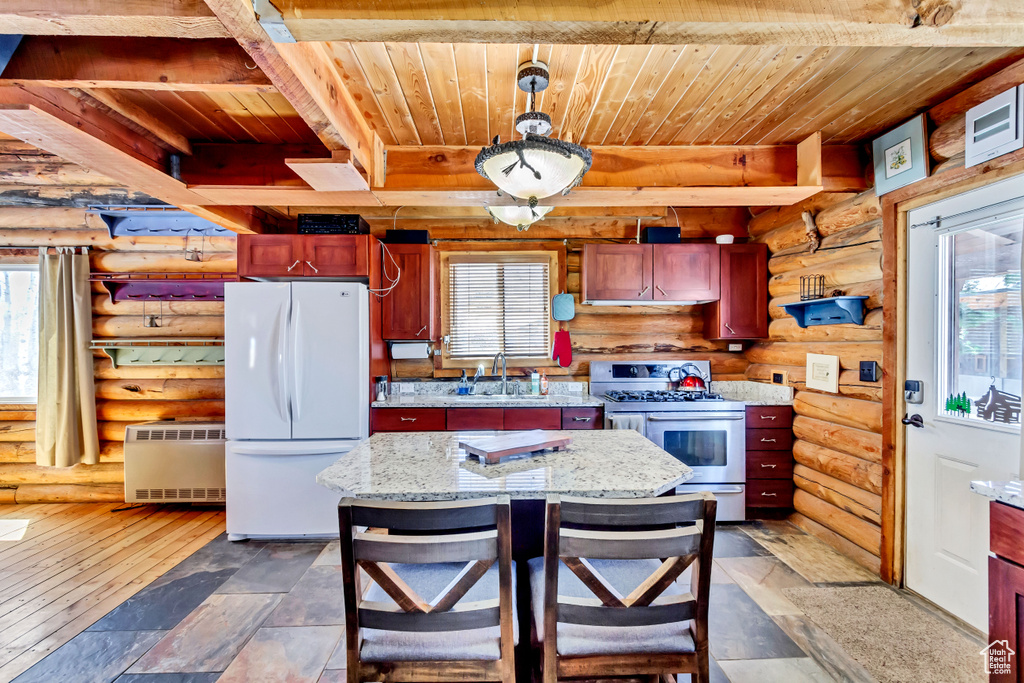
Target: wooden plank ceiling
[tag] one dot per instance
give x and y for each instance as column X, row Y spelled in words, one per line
column 465, row 94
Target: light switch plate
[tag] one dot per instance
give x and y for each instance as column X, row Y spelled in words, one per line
column 735, row 347
column 823, row 372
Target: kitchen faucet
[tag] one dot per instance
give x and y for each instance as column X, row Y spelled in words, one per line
column 504, row 373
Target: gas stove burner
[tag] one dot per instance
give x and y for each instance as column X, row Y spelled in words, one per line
column 662, row 396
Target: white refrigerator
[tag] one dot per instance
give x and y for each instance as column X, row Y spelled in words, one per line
column 297, row 376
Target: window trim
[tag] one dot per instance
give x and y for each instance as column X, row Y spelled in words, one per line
column 21, row 400
column 556, row 284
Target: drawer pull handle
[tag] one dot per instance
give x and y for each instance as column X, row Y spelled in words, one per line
column 407, row 419
column 767, row 466
column 421, row 330
column 764, row 440
column 731, row 331
column 315, row 269
column 769, row 495
column 768, row 417
column 644, row 291
column 293, row 265
column 663, row 292
column 581, row 419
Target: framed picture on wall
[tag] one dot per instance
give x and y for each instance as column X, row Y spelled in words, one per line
column 900, row 156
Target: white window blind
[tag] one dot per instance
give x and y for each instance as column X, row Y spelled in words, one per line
column 499, row 307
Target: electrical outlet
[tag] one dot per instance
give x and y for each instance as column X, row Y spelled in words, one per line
column 735, row 347
column 780, row 378
column 868, row 371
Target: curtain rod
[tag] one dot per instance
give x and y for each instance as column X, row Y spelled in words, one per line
column 37, row 247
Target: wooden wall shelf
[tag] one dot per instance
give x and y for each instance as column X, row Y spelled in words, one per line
column 173, row 351
column 836, row 310
column 164, row 286
column 125, row 220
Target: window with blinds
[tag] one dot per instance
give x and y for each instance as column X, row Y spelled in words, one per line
column 499, row 306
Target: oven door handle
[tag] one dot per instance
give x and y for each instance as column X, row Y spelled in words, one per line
column 701, row 416
column 731, row 489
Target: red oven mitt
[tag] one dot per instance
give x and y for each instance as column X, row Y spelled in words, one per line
column 561, row 350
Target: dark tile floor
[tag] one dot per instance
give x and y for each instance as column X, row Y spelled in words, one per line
column 272, row 612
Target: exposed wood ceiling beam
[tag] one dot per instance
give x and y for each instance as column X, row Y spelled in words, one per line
column 155, row 18
column 136, row 63
column 116, row 101
column 55, row 121
column 883, row 23
column 620, row 176
column 306, row 77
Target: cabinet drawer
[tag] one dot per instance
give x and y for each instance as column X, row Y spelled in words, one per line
column 769, row 465
column 769, row 440
column 408, row 419
column 582, row 418
column 1006, row 529
column 769, row 417
column 770, row 493
column 532, row 418
column 465, row 419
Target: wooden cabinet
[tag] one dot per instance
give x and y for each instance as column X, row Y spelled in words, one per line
column 617, row 272
column 335, row 255
column 769, row 439
column 269, row 256
column 279, row 256
column 686, row 272
column 532, row 418
column 480, row 419
column 1006, row 585
column 742, row 309
column 582, row 418
column 473, row 419
column 408, row 419
column 409, row 311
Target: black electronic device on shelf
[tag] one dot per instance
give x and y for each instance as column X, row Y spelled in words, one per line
column 332, row 224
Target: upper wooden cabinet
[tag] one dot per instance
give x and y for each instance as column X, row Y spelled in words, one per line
column 409, row 310
column 742, row 310
column 686, row 272
column 304, row 255
column 618, row 272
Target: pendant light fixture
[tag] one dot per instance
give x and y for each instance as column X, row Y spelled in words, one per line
column 518, row 216
column 535, row 166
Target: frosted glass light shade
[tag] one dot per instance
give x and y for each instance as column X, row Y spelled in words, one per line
column 519, row 217
column 534, row 167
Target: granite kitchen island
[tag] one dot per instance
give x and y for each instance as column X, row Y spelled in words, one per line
column 424, row 466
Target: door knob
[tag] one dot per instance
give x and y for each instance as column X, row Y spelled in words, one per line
column 914, row 421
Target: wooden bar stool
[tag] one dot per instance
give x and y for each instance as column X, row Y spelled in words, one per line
column 416, row 573
column 605, row 598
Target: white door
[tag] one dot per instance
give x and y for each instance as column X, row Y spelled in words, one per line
column 963, row 344
column 255, row 349
column 330, row 353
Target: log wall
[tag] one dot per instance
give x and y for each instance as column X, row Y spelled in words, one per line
column 838, row 437
column 124, row 395
column 622, row 332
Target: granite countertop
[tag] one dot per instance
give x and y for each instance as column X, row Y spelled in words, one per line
column 418, row 466
column 1008, row 492
column 482, row 401
column 754, row 393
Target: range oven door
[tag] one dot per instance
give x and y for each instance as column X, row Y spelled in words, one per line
column 713, row 444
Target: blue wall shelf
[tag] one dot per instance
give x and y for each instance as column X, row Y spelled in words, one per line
column 835, row 310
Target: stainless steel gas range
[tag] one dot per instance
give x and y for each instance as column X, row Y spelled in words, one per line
column 698, row 427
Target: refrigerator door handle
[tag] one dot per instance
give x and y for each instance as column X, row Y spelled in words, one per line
column 280, row 354
column 297, row 357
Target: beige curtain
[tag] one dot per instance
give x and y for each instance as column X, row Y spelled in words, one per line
column 66, row 431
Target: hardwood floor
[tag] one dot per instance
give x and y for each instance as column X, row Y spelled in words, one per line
column 62, row 567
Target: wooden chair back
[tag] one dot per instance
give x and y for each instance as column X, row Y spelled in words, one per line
column 678, row 531
column 376, row 534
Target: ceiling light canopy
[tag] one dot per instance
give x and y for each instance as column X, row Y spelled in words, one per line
column 518, row 216
column 535, row 166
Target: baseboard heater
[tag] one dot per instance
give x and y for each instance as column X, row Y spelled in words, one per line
column 174, row 462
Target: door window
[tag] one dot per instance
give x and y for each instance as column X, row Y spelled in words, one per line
column 698, row 448
column 980, row 370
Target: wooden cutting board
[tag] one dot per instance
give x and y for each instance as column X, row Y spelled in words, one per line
column 491, row 449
